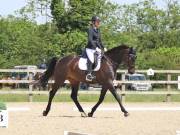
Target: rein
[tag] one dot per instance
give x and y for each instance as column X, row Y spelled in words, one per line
column 109, row 60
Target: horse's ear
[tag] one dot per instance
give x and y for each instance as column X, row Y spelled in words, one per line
column 132, row 50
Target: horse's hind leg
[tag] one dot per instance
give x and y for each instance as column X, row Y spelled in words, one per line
column 51, row 96
column 74, row 94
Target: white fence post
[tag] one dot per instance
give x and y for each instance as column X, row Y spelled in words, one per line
column 179, row 83
column 30, row 88
column 123, row 96
column 168, row 96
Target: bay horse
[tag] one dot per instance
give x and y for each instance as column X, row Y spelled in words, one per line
column 67, row 69
column 37, row 76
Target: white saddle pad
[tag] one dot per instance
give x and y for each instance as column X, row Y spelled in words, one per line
column 83, row 64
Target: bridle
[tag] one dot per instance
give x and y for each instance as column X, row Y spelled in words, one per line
column 131, row 56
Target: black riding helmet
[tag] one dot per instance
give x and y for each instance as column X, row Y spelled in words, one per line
column 95, row 18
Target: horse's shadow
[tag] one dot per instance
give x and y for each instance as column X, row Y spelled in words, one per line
column 72, row 116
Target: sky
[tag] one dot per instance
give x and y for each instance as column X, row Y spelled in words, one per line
column 9, row 6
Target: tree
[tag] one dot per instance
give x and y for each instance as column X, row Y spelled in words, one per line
column 76, row 14
column 153, row 31
column 24, row 42
column 35, row 8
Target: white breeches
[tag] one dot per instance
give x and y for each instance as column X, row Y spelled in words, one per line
column 90, row 54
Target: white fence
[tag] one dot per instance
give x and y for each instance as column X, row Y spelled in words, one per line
column 167, row 93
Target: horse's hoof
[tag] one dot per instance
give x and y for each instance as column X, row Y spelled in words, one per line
column 90, row 114
column 44, row 113
column 83, row 114
column 126, row 114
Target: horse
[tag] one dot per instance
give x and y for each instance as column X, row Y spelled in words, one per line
column 37, row 77
column 67, row 68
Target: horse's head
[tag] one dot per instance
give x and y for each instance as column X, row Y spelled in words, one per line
column 123, row 55
column 129, row 59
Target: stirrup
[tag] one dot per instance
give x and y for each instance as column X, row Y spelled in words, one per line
column 89, row 77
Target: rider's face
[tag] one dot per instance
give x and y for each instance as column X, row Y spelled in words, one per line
column 97, row 24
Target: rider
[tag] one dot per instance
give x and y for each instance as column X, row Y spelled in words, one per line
column 94, row 45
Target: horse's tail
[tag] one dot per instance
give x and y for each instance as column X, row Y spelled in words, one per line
column 48, row 73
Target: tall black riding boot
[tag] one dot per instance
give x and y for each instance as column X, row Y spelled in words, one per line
column 89, row 76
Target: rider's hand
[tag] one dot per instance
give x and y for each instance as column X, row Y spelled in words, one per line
column 105, row 49
column 98, row 50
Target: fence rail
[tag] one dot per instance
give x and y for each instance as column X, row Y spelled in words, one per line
column 2, row 92
column 123, row 82
column 20, row 70
column 155, row 71
column 116, row 82
column 119, row 71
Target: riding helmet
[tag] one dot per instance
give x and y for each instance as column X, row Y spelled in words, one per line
column 95, row 18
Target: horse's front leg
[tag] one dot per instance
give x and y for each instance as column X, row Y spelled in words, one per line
column 101, row 98
column 118, row 98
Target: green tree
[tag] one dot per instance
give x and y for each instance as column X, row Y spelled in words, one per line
column 76, row 14
column 34, row 9
column 24, row 42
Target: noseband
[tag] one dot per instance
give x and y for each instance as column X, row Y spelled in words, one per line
column 131, row 55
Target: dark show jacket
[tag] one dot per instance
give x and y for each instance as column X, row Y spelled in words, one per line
column 94, row 39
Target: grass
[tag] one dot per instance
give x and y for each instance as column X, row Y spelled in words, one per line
column 87, row 98
column 90, row 97
column 2, row 106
